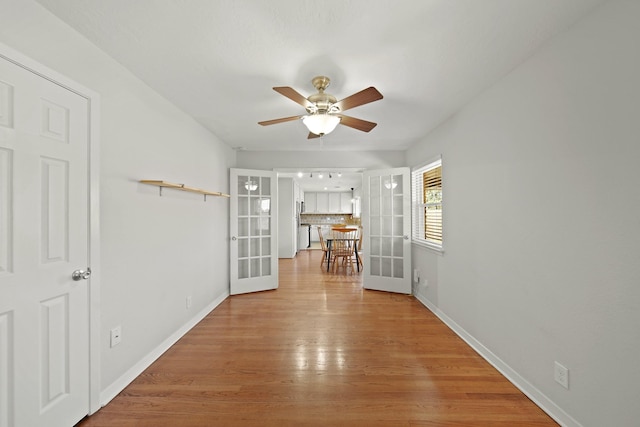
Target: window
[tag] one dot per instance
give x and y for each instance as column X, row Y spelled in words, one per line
column 427, row 205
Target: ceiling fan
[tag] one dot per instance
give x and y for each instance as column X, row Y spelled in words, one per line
column 324, row 111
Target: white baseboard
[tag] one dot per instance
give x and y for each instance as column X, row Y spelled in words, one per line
column 546, row 404
column 132, row 373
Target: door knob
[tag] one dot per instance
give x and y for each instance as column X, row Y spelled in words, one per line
column 405, row 237
column 81, row 274
column 234, row 238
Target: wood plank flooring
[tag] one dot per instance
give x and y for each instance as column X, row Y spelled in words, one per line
column 320, row 351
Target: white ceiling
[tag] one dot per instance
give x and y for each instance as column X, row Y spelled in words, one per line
column 218, row 60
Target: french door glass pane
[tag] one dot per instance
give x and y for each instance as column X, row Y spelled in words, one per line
column 243, row 268
column 398, row 247
column 266, row 267
column 255, row 267
column 385, row 269
column 255, row 247
column 375, row 266
column 243, row 206
column 265, row 226
column 243, row 248
column 386, row 226
column 385, row 246
column 243, row 227
column 375, row 245
column 374, row 226
column 242, row 187
column 398, row 270
column 266, row 186
column 266, row 246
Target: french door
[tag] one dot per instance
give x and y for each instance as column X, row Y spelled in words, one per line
column 386, row 220
column 253, row 230
column 44, row 313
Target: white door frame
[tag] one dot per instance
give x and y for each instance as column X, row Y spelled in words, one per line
column 93, row 245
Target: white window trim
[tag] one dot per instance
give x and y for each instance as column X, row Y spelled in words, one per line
column 415, row 222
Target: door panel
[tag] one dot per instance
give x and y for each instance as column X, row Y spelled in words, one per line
column 44, row 315
column 253, row 222
column 386, row 220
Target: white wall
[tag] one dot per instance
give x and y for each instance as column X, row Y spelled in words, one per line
column 156, row 251
column 542, row 229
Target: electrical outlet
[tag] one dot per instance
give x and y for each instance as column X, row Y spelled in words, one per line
column 189, row 302
column 416, row 275
column 561, row 375
column 116, row 336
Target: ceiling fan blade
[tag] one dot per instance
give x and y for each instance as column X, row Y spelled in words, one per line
column 359, row 124
column 282, row 120
column 365, row 96
column 312, row 135
column 293, row 95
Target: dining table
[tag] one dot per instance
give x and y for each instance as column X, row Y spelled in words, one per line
column 330, row 240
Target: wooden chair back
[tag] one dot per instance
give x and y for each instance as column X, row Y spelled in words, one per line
column 323, row 244
column 344, row 241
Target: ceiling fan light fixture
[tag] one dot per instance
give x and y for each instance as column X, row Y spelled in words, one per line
column 321, row 123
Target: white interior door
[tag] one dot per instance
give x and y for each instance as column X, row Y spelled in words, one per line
column 386, row 221
column 253, row 230
column 44, row 315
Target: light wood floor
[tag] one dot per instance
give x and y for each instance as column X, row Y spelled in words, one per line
column 320, row 351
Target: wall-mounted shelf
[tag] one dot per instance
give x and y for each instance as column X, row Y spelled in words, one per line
column 182, row 187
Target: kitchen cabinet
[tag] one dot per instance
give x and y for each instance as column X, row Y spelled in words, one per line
column 334, row 203
column 328, row 202
column 310, row 202
column 322, row 202
column 346, row 206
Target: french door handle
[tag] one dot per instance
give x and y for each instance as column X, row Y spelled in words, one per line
column 233, row 238
column 81, row 275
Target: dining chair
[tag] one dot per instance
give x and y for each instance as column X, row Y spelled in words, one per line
column 323, row 246
column 343, row 248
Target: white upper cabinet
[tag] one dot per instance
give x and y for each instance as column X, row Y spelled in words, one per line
column 346, row 206
column 328, row 202
column 310, row 205
column 334, row 203
column 322, row 203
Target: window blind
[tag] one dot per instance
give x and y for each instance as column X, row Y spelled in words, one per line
column 427, row 204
